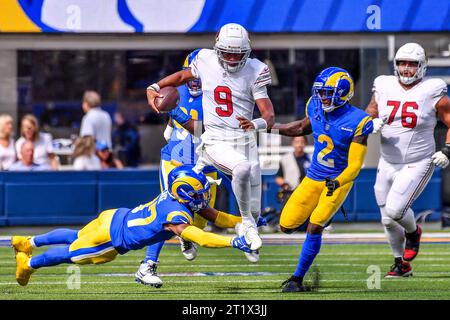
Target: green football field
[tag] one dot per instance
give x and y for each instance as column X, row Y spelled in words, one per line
column 346, row 271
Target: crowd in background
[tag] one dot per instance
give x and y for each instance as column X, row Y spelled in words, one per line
column 100, row 144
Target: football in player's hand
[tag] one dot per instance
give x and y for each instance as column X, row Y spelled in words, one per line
column 169, row 101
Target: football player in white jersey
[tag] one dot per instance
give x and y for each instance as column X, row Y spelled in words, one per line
column 406, row 106
column 232, row 84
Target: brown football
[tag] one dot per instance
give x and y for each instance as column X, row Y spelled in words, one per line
column 169, row 101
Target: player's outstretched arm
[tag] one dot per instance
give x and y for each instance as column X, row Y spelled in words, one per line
column 220, row 218
column 174, row 80
column 207, row 239
column 293, row 129
column 442, row 157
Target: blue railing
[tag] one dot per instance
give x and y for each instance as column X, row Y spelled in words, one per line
column 42, row 198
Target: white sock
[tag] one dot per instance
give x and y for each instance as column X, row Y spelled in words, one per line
column 395, row 234
column 240, row 183
column 408, row 222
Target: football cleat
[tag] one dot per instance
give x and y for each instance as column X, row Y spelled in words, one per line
column 412, row 244
column 189, row 249
column 252, row 237
column 23, row 270
column 22, row 244
column 147, row 275
column 293, row 284
column 252, row 256
column 399, row 269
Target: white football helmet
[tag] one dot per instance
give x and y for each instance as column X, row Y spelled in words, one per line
column 411, row 52
column 232, row 38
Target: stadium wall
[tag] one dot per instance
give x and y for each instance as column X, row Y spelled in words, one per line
column 47, row 198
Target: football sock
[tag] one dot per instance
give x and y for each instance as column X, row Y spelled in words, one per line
column 408, row 222
column 51, row 257
column 58, row 236
column 395, row 235
column 153, row 252
column 242, row 189
column 311, row 248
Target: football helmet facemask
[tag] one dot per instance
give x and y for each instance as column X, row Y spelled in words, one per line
column 333, row 87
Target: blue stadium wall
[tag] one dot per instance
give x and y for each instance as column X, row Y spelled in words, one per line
column 194, row 16
column 48, row 198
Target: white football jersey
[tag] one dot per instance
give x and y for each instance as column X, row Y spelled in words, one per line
column 408, row 135
column 228, row 95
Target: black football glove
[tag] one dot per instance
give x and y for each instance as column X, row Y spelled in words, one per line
column 332, row 185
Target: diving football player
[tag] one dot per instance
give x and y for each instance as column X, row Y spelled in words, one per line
column 118, row 231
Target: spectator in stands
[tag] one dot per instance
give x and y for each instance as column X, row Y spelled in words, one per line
column 96, row 122
column 43, row 148
column 293, row 165
column 7, row 150
column 26, row 157
column 107, row 158
column 126, row 141
column 84, row 154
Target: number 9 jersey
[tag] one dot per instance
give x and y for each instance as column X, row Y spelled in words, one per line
column 227, row 95
column 333, row 133
column 408, row 135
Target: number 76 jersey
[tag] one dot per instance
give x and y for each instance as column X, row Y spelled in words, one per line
column 410, row 115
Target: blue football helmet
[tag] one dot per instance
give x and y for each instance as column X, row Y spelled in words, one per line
column 333, row 87
column 194, row 86
column 189, row 187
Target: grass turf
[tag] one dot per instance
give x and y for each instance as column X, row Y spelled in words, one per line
column 343, row 275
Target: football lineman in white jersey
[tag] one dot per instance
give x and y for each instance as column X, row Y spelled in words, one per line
column 232, row 84
column 406, row 106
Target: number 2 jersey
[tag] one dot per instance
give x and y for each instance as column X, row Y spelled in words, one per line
column 227, row 95
column 133, row 229
column 408, row 135
column 333, row 133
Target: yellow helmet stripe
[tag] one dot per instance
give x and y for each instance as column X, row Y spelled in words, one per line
column 333, row 80
column 194, row 183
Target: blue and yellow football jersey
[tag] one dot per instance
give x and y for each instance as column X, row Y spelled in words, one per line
column 136, row 228
column 181, row 146
column 333, row 133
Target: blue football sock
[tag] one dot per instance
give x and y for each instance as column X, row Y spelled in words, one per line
column 51, row 257
column 311, row 248
column 58, row 236
column 153, row 251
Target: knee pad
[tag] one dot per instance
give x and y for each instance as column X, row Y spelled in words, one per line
column 242, row 171
column 393, row 213
column 387, row 222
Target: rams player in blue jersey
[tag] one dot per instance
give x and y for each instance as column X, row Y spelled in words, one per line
column 118, row 231
column 340, row 133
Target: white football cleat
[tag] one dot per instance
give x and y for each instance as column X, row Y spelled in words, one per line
column 189, row 249
column 252, row 237
column 253, row 256
column 147, row 275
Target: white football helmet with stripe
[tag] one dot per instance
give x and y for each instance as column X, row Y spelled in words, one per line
column 411, row 52
column 232, row 38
